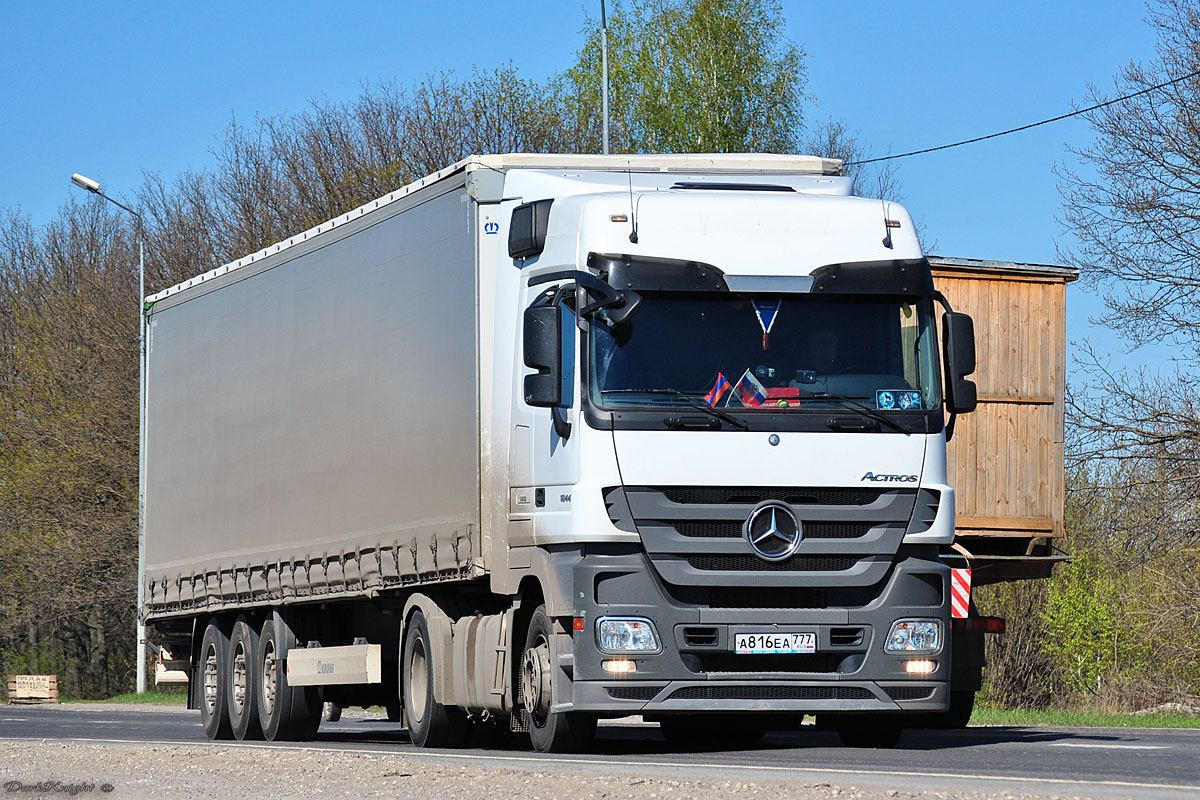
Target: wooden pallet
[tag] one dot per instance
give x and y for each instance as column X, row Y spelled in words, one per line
column 28, row 689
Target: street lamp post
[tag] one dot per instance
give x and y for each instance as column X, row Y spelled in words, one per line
column 604, row 71
column 94, row 187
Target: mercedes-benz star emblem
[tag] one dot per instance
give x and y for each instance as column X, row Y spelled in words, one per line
column 772, row 530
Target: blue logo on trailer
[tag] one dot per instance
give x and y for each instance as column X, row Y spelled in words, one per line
column 491, row 227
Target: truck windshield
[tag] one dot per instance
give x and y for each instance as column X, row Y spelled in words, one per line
column 770, row 353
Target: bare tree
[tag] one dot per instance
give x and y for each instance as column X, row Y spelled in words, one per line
column 1132, row 206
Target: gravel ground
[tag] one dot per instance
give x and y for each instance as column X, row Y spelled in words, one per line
column 53, row 769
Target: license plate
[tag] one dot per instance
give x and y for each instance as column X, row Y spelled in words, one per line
column 773, row 643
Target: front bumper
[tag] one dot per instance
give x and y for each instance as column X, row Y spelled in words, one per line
column 698, row 671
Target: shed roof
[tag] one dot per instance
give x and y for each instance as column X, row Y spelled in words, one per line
column 1066, row 274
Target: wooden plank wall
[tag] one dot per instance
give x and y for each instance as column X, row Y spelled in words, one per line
column 1006, row 459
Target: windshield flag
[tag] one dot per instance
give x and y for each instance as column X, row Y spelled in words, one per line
column 718, row 390
column 751, row 391
column 766, row 311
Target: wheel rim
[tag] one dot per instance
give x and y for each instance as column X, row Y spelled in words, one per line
column 240, row 682
column 418, row 680
column 210, row 679
column 535, row 680
column 268, row 677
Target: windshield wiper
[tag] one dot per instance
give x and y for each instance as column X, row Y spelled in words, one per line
column 861, row 408
column 692, row 401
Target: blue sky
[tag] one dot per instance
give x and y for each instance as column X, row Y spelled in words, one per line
column 116, row 89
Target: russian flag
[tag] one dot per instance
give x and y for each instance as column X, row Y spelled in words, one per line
column 753, row 393
column 718, row 390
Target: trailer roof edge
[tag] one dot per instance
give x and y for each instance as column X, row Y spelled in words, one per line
column 700, row 162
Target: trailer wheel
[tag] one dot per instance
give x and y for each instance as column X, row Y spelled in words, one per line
column 874, row 732
column 287, row 713
column 549, row 731
column 243, row 681
column 214, row 671
column 430, row 724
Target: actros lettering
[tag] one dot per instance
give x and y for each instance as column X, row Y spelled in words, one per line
column 871, row 476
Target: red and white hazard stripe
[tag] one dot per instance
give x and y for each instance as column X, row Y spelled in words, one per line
column 960, row 593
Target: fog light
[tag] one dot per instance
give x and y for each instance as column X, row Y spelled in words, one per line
column 915, row 636
column 619, row 666
column 626, row 635
column 921, row 666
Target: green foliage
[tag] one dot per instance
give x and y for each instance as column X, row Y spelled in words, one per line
column 1081, row 618
column 1115, row 628
column 159, row 697
column 690, row 76
column 1081, row 719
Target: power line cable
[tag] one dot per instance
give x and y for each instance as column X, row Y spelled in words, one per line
column 1025, row 127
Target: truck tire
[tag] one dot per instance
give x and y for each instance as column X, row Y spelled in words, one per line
column 243, row 681
column 879, row 733
column 962, row 704
column 214, row 680
column 742, row 730
column 287, row 713
column 430, row 724
column 549, row 731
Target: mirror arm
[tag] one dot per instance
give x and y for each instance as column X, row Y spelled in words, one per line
column 562, row 426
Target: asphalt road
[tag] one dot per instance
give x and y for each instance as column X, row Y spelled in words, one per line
column 1054, row 762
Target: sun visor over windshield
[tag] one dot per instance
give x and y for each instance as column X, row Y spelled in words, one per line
column 906, row 276
column 646, row 274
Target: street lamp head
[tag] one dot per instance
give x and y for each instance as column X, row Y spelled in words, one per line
column 85, row 183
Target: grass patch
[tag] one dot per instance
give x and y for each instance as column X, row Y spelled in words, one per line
column 153, row 698
column 1081, row 719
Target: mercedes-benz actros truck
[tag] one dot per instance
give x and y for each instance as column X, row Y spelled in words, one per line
column 543, row 439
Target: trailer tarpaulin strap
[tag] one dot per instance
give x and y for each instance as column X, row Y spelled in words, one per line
column 960, row 593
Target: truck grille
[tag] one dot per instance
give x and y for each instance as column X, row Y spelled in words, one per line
column 909, row 692
column 693, row 535
column 643, row 693
column 753, row 495
column 735, row 663
column 755, row 564
column 771, row 693
column 733, row 530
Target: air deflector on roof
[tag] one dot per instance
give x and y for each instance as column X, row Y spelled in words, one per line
column 733, row 187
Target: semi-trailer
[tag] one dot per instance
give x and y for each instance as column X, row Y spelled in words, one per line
column 543, row 439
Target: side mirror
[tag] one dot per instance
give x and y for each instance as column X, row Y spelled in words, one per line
column 958, row 343
column 541, row 350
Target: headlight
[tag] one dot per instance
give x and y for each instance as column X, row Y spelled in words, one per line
column 914, row 636
column 626, row 635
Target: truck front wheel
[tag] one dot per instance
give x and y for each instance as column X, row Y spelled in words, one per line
column 214, row 680
column 430, row 724
column 549, row 731
column 287, row 713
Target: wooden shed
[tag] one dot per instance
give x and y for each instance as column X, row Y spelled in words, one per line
column 1006, row 458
